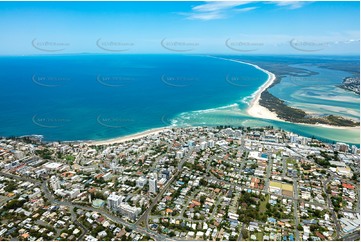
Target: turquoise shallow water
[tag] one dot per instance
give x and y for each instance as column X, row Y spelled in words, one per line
column 94, row 97
column 316, row 94
column 319, row 93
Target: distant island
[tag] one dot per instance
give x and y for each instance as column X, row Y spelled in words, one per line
column 351, row 84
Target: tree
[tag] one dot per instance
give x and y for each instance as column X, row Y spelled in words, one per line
column 11, row 187
column 313, row 227
column 244, row 233
column 204, row 182
column 232, row 238
column 14, row 204
column 268, row 206
column 203, row 199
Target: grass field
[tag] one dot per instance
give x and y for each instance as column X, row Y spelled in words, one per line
column 262, row 206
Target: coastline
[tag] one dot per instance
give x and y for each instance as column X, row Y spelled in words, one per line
column 332, row 127
column 256, row 110
column 123, row 139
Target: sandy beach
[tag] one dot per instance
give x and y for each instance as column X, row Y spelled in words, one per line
column 356, row 128
column 258, row 111
column 128, row 137
column 255, row 109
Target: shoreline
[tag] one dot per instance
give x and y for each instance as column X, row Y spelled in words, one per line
column 123, row 139
column 256, row 110
column 331, row 126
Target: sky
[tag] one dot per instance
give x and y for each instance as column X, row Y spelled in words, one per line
column 31, row 28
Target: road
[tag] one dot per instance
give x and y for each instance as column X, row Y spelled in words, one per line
column 180, row 216
column 5, row 200
column 240, row 236
column 70, row 205
column 268, row 172
column 144, row 218
column 331, row 176
column 113, row 218
column 27, row 179
column 42, row 223
column 355, row 236
column 145, row 215
column 284, row 165
column 295, row 208
column 330, row 207
column 81, row 226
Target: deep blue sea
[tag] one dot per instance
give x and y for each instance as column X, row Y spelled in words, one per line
column 95, row 97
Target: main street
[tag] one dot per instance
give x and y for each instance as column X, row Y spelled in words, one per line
column 268, row 172
column 295, row 207
column 330, row 207
column 144, row 217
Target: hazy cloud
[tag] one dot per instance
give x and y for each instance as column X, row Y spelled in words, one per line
column 290, row 4
column 224, row 9
column 216, row 10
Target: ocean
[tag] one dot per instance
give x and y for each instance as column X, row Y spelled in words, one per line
column 96, row 97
